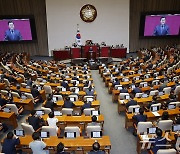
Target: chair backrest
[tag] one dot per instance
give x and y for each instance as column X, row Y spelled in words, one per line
column 122, row 95
column 52, row 130
column 130, row 109
column 87, row 112
column 67, row 111
column 23, row 85
column 4, row 92
column 13, row 108
column 28, row 129
column 125, row 79
column 143, row 84
column 48, row 89
column 59, row 97
column 177, row 104
column 71, row 129
column 167, row 90
column 89, row 97
column 158, row 105
column 142, row 127
column 177, row 90
column 29, row 96
column 138, row 95
column 7, row 82
column 15, row 94
column 166, row 151
column 46, row 110
column 75, row 97
column 165, row 124
column 153, row 92
column 90, row 129
column 119, row 87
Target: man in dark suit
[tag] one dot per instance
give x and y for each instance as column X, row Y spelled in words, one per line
column 124, row 90
column 116, row 82
column 96, row 149
column 136, row 89
column 68, row 103
column 36, row 94
column 131, row 102
column 162, row 29
column 64, row 84
column 140, row 117
column 50, row 103
column 159, row 142
column 86, row 105
column 9, row 144
column 12, row 34
column 2, row 101
column 90, row 91
column 34, row 121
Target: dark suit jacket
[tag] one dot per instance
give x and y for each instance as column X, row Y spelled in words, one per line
column 16, row 36
column 86, row 106
column 64, row 84
column 35, row 92
column 131, row 102
column 123, row 91
column 68, row 104
column 2, row 102
column 34, row 122
column 158, row 141
column 140, row 118
column 136, row 90
column 159, row 32
column 8, row 146
column 50, row 104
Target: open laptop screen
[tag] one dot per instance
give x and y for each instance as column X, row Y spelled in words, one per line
column 70, row 134
column 19, row 132
column 44, row 134
column 151, row 130
column 96, row 134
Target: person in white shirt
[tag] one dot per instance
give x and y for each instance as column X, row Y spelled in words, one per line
column 37, row 146
column 52, row 121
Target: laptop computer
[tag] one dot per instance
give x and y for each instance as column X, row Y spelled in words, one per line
column 171, row 106
column 19, row 132
column 39, row 112
column 127, row 97
column 95, row 112
column 96, row 134
column 136, row 110
column 144, row 95
column 176, row 128
column 155, row 108
column 7, row 109
column 57, row 113
column 89, row 99
column 151, row 130
column 70, row 134
column 44, row 134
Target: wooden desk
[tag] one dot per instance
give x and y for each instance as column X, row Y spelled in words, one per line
column 170, row 136
column 79, row 144
column 26, row 103
column 150, row 116
column 2, row 86
column 80, row 121
column 10, row 118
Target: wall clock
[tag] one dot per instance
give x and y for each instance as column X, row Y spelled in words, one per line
column 88, row 13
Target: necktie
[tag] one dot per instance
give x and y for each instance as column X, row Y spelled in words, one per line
column 12, row 33
column 162, row 28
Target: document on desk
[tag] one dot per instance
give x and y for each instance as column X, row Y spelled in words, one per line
column 145, row 137
column 156, row 114
column 122, row 101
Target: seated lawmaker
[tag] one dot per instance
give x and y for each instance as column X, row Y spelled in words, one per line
column 96, row 149
column 64, row 84
column 159, row 142
column 131, row 102
column 2, row 101
column 50, row 103
column 140, row 117
column 116, row 82
column 124, row 90
column 136, row 89
column 90, row 91
column 94, row 121
column 68, row 103
column 154, row 101
column 60, row 149
column 9, row 144
column 86, row 105
column 36, row 94
column 35, row 121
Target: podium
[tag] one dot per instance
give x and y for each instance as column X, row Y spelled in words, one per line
column 91, row 55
